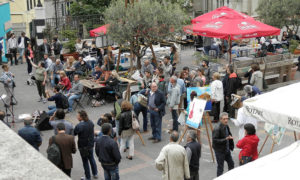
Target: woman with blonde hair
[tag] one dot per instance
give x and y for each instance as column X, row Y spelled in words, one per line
column 125, row 128
column 64, row 81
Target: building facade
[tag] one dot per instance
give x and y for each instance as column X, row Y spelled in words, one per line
column 22, row 14
column 5, row 27
column 245, row 6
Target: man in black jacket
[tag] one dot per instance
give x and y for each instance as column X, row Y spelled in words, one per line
column 223, row 144
column 156, row 106
column 193, row 152
column 108, row 153
column 57, row 46
column 44, row 48
column 231, row 87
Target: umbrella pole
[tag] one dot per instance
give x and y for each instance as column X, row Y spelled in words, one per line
column 230, row 46
column 119, row 57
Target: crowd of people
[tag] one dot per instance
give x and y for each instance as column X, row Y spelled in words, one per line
column 162, row 85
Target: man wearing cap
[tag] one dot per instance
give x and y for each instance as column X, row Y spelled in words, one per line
column 30, row 134
column 251, row 91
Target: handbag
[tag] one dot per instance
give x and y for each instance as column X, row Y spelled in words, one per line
column 142, row 100
column 135, row 122
column 245, row 160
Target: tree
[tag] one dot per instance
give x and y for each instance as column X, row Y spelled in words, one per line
column 143, row 23
column 280, row 13
column 89, row 7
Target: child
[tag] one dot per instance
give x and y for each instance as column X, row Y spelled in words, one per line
column 248, row 145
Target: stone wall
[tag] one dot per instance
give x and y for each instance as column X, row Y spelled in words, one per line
column 19, row 160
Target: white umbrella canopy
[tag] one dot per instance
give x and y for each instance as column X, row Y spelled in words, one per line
column 280, row 107
column 283, row 164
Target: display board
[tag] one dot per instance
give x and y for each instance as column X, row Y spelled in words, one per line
column 196, row 107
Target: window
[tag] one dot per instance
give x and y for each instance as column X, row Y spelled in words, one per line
column 62, row 10
column 28, row 5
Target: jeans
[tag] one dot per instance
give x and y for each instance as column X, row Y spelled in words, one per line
column 71, row 100
column 51, row 111
column 21, row 53
column 221, row 157
column 175, row 119
column 13, row 53
column 29, row 66
column 111, row 174
column 129, row 140
column 139, row 108
column 86, row 160
column 55, row 76
column 155, row 120
column 119, row 139
column 216, row 110
column 41, row 88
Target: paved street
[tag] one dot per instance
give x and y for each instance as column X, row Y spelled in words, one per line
column 142, row 166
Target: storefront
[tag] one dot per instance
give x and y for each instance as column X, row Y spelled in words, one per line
column 5, row 27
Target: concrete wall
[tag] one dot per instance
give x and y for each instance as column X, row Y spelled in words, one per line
column 19, row 160
column 4, row 26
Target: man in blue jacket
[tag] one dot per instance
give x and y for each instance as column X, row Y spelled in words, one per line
column 156, row 106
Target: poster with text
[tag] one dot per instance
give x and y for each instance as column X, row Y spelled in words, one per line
column 200, row 92
column 275, row 132
column 195, row 114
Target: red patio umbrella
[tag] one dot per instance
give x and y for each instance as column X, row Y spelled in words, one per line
column 98, row 31
column 234, row 29
column 221, row 13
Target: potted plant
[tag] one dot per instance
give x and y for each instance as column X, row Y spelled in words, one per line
column 69, row 44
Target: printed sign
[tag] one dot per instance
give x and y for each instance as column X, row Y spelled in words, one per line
column 196, row 107
column 275, row 132
column 201, row 91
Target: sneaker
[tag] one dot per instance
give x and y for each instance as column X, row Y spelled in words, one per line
column 84, row 178
column 44, row 101
column 95, row 176
column 41, row 99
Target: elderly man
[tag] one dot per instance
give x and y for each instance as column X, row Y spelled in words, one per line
column 193, row 151
column 156, row 105
column 147, row 80
column 173, row 101
column 56, row 68
column 173, row 161
column 180, row 82
column 30, row 134
column 147, row 66
column 223, row 144
column 75, row 92
column 167, row 67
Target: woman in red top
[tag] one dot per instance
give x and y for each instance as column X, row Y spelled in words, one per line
column 65, row 81
column 29, row 55
column 248, row 145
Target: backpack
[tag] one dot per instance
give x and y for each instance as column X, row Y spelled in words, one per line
column 53, row 153
column 239, row 83
column 65, row 102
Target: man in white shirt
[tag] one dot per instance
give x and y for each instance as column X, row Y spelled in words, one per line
column 12, row 48
column 217, row 95
column 22, row 44
column 243, row 119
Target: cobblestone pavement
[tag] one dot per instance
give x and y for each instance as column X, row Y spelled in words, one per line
column 142, row 166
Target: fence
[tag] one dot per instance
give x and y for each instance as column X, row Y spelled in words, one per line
column 81, row 24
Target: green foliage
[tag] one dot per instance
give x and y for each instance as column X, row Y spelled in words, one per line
column 71, row 36
column 293, row 45
column 280, row 13
column 88, row 7
column 49, row 32
column 201, row 57
column 143, row 23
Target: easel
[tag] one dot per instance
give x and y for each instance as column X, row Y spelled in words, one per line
column 273, row 144
column 206, row 119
